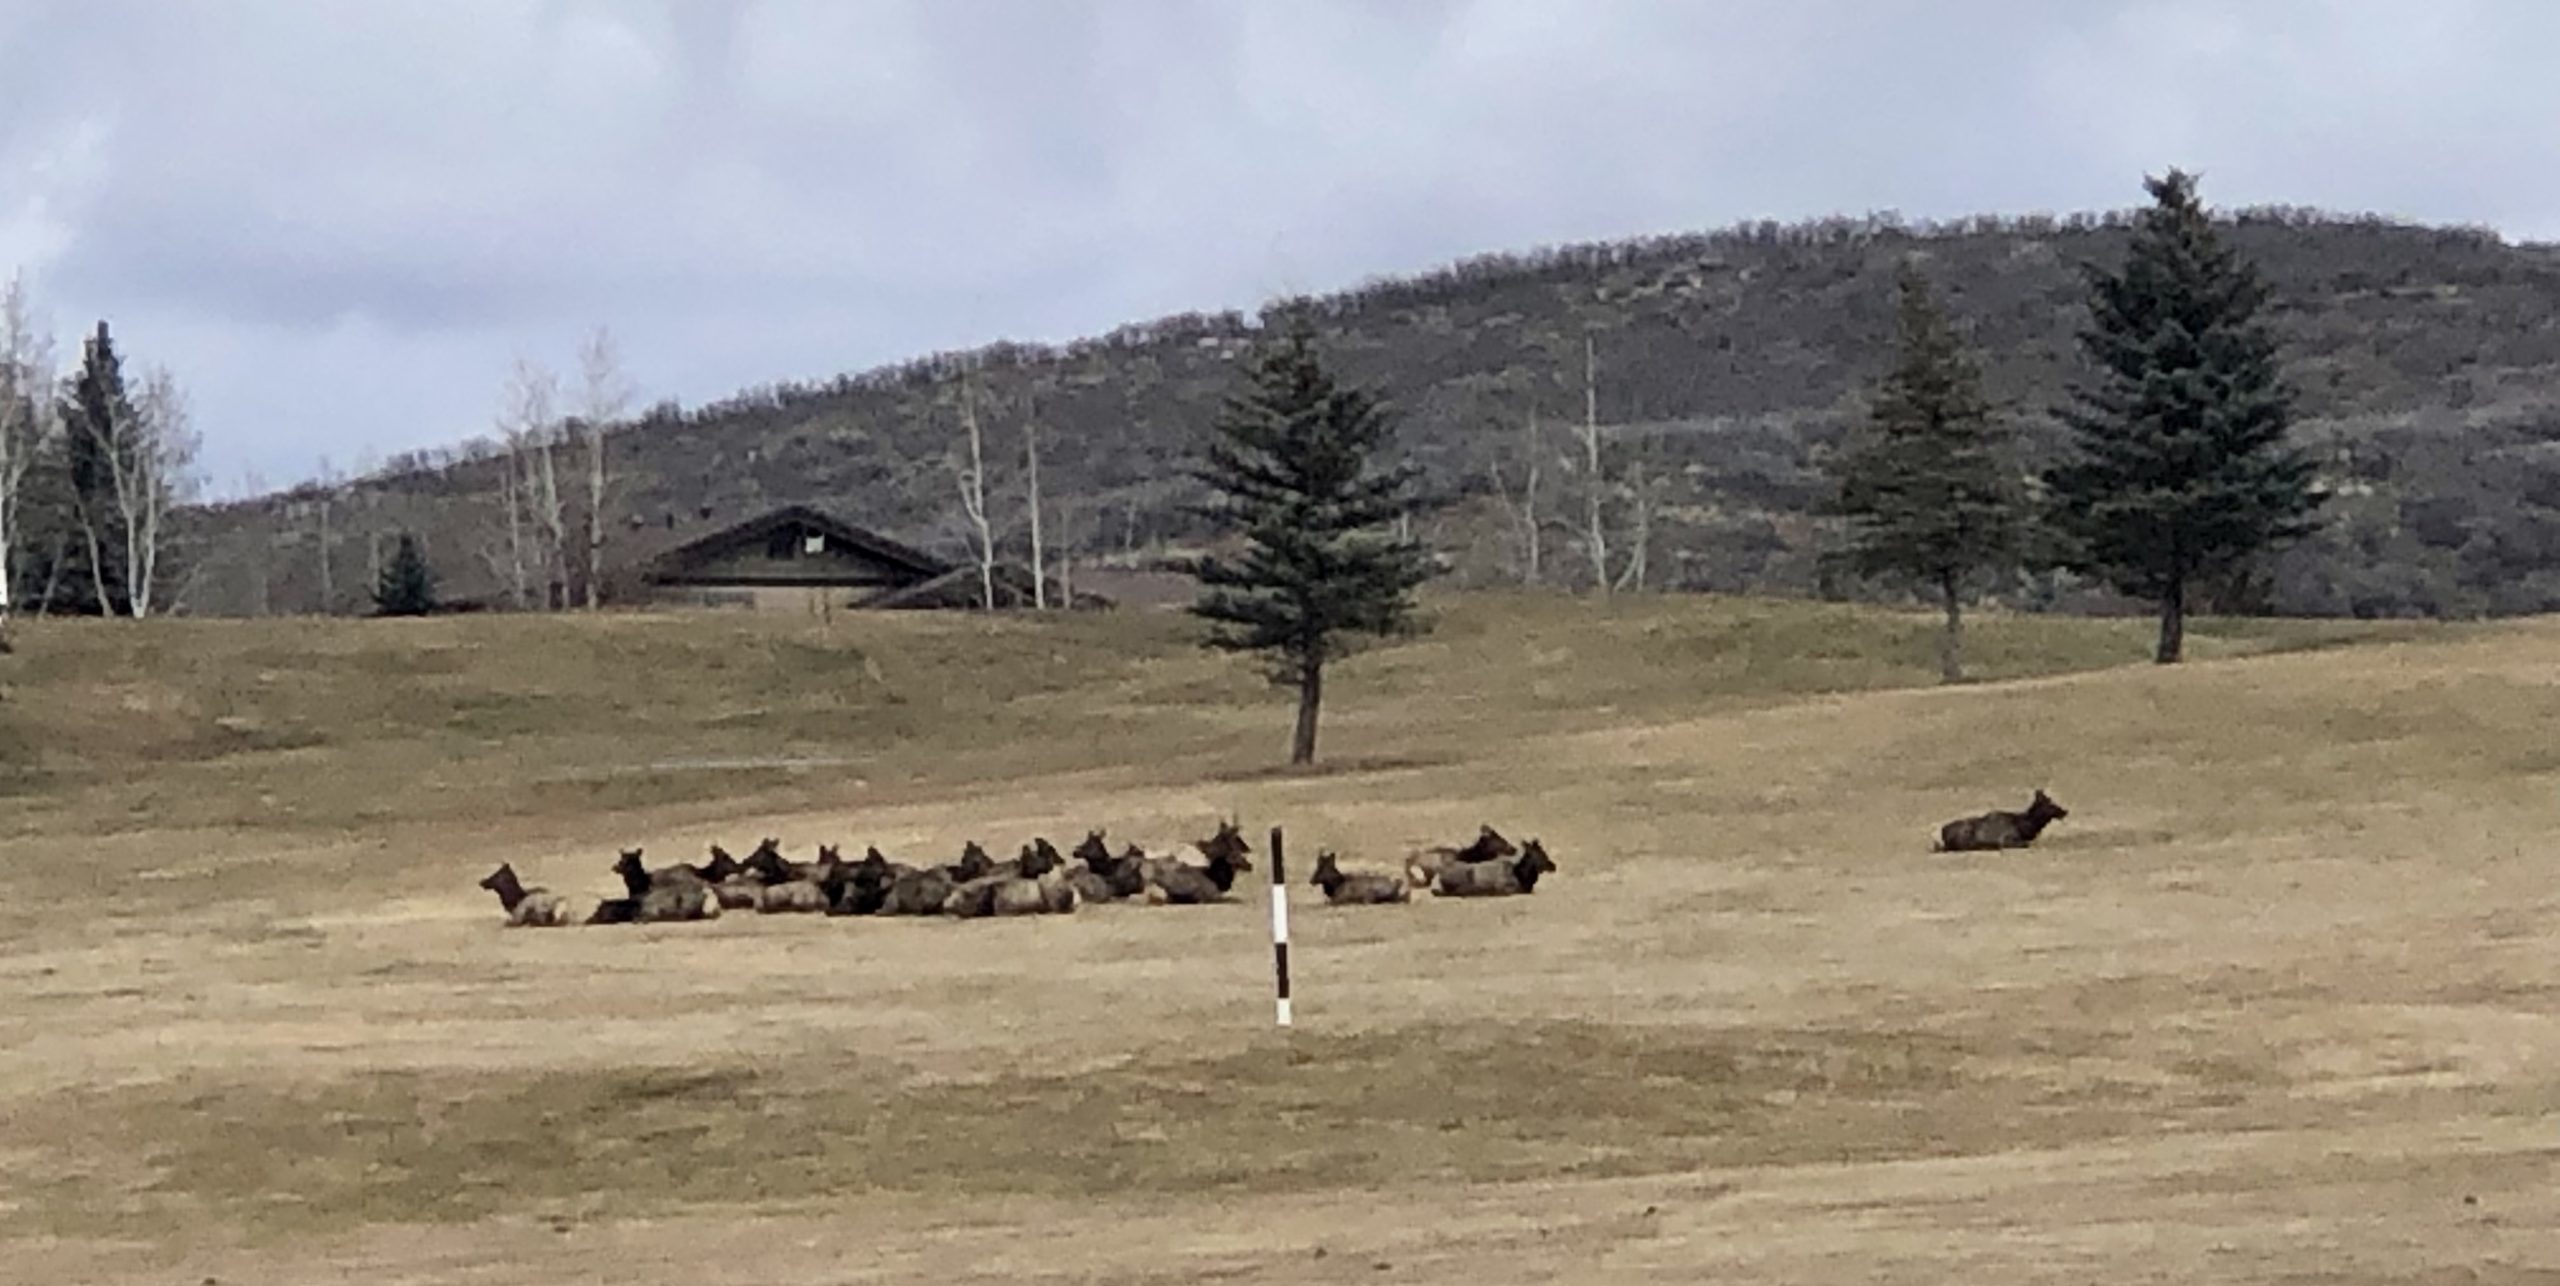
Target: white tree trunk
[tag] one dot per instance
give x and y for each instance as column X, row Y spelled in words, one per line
column 1596, row 536
column 606, row 398
column 328, row 500
column 259, row 548
column 511, row 560
column 1524, row 508
column 147, row 467
column 26, row 419
column 1532, row 529
column 533, row 430
column 1640, row 539
column 973, row 497
column 1067, row 558
column 1031, row 466
column 555, row 527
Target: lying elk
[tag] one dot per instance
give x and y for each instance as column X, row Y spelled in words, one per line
column 1105, row 877
column 1185, row 885
column 2001, row 829
column 730, row 881
column 1497, row 878
column 861, row 888
column 1357, row 888
column 1426, row 865
column 526, row 908
column 1034, row 886
column 805, row 892
column 1195, row 854
column 767, row 864
column 923, row 890
column 974, row 864
column 676, row 893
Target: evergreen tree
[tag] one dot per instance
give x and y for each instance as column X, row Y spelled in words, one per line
column 1931, row 488
column 1291, row 472
column 97, row 423
column 52, row 558
column 408, row 584
column 2182, row 469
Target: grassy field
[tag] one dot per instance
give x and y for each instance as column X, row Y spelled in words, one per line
column 2273, row 1004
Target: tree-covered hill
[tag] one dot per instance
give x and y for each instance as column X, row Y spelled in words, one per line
column 2427, row 362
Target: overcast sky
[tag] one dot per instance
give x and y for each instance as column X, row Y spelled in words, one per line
column 336, row 221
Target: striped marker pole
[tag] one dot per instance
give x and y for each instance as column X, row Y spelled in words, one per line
column 1280, row 925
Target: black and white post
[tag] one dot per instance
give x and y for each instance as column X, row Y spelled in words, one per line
column 1280, row 926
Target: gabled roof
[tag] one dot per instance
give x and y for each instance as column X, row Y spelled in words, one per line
column 960, row 587
column 871, row 544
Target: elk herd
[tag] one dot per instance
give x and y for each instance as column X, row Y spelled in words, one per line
column 1038, row 880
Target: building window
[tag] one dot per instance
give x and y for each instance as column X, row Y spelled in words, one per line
column 813, row 543
column 783, row 545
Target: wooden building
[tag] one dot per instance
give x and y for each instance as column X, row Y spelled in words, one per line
column 800, row 558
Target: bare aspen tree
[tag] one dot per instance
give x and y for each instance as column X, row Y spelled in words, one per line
column 555, row 523
column 1524, row 509
column 1640, row 536
column 541, row 533
column 605, row 397
column 149, row 473
column 261, row 549
column 509, row 560
column 973, row 496
column 1031, row 467
column 1067, row 557
column 1596, row 483
column 329, row 480
column 26, row 418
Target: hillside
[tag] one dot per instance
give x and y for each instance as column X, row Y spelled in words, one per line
column 290, row 725
column 2276, row 997
column 2428, row 361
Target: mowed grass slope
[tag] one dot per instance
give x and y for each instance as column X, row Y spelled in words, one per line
column 2270, row 1004
column 345, row 724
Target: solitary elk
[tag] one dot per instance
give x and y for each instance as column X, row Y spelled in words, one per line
column 2000, row 828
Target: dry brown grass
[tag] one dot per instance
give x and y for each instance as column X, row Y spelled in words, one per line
column 2269, row 1006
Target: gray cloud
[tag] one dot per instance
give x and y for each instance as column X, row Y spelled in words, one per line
column 337, row 223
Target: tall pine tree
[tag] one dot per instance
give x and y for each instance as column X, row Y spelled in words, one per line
column 1291, row 472
column 408, row 584
column 1931, row 488
column 98, row 426
column 2182, row 467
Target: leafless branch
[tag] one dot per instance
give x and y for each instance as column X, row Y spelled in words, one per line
column 606, row 396
column 27, row 418
column 1031, row 465
column 973, row 495
column 1595, row 482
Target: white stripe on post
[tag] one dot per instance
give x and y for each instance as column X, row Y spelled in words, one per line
column 1280, row 926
